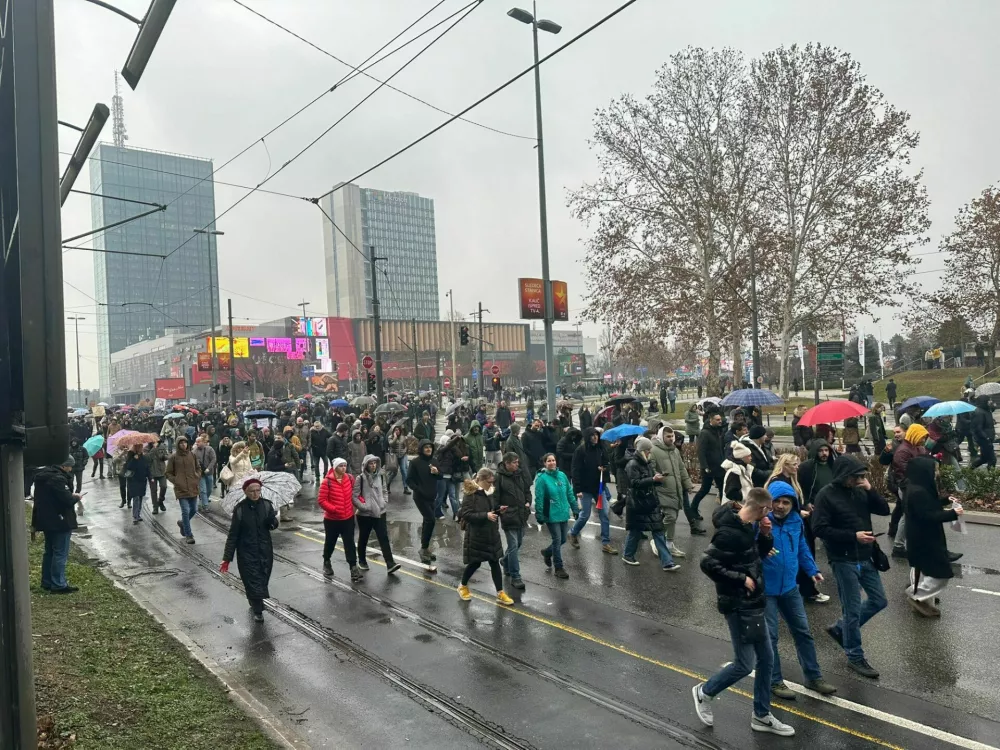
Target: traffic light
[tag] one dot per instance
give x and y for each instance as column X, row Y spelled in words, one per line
column 496, row 383
column 371, row 383
column 225, row 389
column 463, row 335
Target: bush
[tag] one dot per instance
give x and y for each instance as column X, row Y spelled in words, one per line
column 980, row 487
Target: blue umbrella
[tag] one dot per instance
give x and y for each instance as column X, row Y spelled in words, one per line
column 339, row 403
column 922, row 401
column 93, row 444
column 622, row 431
column 752, row 397
column 949, row 408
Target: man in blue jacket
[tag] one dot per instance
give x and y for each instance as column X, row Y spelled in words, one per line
column 781, row 568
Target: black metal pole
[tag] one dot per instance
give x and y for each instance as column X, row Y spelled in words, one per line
column 377, row 327
column 232, row 359
column 482, row 377
column 416, row 361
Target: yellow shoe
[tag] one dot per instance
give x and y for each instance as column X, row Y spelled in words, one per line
column 464, row 594
column 504, row 599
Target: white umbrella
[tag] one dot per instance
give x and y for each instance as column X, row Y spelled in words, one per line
column 988, row 389
column 277, row 486
column 102, row 404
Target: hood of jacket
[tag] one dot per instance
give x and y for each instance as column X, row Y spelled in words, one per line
column 846, row 467
column 369, row 458
column 420, row 448
column 920, row 472
column 475, row 428
column 814, row 447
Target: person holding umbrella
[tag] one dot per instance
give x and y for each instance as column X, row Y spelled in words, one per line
column 249, row 541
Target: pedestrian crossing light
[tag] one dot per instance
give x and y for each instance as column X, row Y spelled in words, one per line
column 371, row 383
column 463, row 335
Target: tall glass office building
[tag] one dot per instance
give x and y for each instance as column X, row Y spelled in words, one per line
column 140, row 298
column 400, row 225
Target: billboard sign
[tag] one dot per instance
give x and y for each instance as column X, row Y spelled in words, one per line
column 241, row 348
column 560, row 301
column 204, row 362
column 279, row 346
column 224, row 361
column 309, row 327
column 531, row 293
column 169, row 388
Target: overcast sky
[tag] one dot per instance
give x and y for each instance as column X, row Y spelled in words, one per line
column 221, row 77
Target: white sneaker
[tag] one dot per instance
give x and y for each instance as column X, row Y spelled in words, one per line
column 701, row 705
column 675, row 552
column 652, row 546
column 770, row 724
column 820, row 598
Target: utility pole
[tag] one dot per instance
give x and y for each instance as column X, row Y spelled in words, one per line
column 416, row 361
column 378, row 326
column 482, row 377
column 76, row 325
column 232, row 359
column 754, row 318
column 303, row 304
column 454, row 367
column 212, row 233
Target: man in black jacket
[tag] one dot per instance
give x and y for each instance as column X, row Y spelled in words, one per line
column 733, row 562
column 762, row 465
column 503, row 416
column 54, row 515
column 422, row 478
column 642, row 506
column 336, row 446
column 512, row 497
column 534, row 446
column 710, row 457
column 984, row 432
column 588, row 471
column 843, row 520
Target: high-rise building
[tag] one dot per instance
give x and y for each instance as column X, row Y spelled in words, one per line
column 401, row 228
column 140, row 298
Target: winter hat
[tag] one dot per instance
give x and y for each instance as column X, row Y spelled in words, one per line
column 643, row 444
column 338, row 461
column 67, row 463
column 740, row 450
column 756, row 432
column 782, row 489
column 252, row 480
column 916, row 434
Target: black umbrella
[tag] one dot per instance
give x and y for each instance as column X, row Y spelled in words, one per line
column 390, row 408
column 618, row 400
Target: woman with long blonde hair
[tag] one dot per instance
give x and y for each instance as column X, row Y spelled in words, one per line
column 786, row 469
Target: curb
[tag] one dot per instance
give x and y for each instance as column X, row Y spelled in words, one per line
column 271, row 725
column 975, row 517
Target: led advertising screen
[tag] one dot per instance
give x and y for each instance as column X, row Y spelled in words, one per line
column 532, row 298
column 258, row 342
column 204, row 362
column 322, row 348
column 309, row 326
column 279, row 346
column 241, row 348
column 560, row 301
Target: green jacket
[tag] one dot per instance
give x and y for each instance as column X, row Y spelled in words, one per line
column 553, row 496
column 676, row 482
column 474, row 439
column 692, row 422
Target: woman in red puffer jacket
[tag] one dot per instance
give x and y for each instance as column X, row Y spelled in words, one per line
column 336, row 498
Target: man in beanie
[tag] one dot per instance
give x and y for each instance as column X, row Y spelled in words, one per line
column 249, row 541
column 53, row 514
column 642, row 507
column 185, row 473
column 738, row 479
column 761, row 464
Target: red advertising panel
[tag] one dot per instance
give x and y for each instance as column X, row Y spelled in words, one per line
column 532, row 296
column 204, row 361
column 342, row 348
column 223, row 361
column 200, row 377
column 170, row 388
column 560, row 301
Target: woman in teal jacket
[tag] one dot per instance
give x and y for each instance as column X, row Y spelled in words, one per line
column 554, row 499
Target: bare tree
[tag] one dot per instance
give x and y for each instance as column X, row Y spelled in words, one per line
column 843, row 206
column 670, row 209
column 973, row 268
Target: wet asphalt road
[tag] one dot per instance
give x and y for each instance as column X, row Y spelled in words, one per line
column 606, row 658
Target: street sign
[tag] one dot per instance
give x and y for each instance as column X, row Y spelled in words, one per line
column 367, row 362
column 495, row 369
column 308, row 371
column 447, row 382
column 830, row 359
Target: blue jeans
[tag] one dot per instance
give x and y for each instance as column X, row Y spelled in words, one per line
column 511, row 559
column 632, row 545
column 404, row 464
column 447, row 489
column 586, row 501
column 189, row 509
column 851, row 579
column 747, row 657
column 137, row 504
column 794, row 613
column 54, row 559
column 558, row 533
column 205, row 490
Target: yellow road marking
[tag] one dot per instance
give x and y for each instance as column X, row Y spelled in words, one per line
column 628, row 652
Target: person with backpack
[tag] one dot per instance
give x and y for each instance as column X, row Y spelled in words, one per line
column 371, row 501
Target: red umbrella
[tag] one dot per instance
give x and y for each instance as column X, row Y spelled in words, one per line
column 835, row 410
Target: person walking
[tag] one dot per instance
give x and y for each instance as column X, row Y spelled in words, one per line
column 926, row 514
column 673, row 491
column 54, row 514
column 185, row 473
column 513, row 499
column 481, row 543
column 336, row 498
column 672, row 397
column 692, row 423
column 80, row 457
column 843, row 520
column 710, row 458
column 205, row 455
column 642, row 506
column 588, row 468
column 984, row 433
column 371, row 501
column 890, row 393
column 738, row 479
column 319, row 437
column 158, row 455
column 913, row 445
column 249, row 543
column 876, row 427
column 554, row 500
column 790, row 556
column 137, row 476
column 422, row 479
column 733, row 562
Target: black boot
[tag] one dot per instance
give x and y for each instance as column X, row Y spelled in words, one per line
column 327, row 569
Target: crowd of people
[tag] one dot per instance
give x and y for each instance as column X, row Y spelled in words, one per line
column 490, row 476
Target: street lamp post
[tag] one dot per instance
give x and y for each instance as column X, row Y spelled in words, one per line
column 76, row 326
column 524, row 16
column 211, row 296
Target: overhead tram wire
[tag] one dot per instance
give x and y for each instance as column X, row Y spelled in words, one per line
column 475, row 104
column 467, row 9
column 377, row 80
